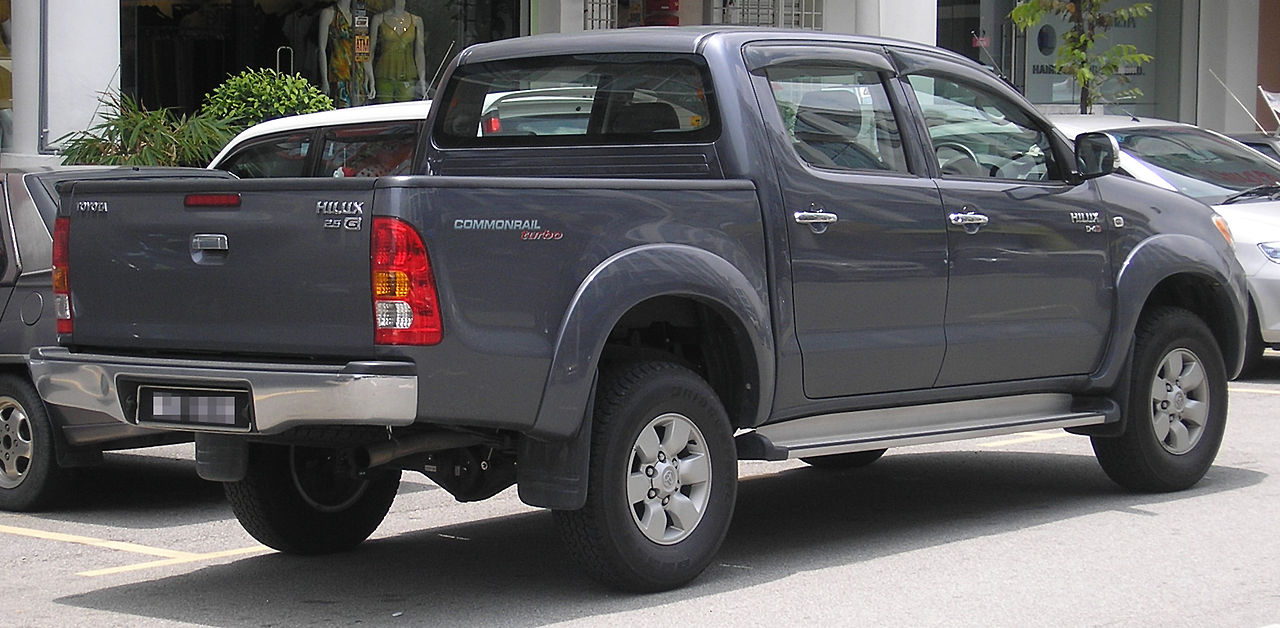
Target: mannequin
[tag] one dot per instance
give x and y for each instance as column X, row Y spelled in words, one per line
column 340, row 76
column 398, row 64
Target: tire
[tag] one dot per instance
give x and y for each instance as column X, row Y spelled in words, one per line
column 30, row 478
column 852, row 460
column 299, row 500
column 1177, row 409
column 661, row 483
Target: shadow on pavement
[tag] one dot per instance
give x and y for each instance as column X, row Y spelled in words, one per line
column 513, row 571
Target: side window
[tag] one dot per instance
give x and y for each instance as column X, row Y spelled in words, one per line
column 838, row 118
column 979, row 134
column 370, row 150
column 280, row 156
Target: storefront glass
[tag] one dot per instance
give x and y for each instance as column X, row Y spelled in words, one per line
column 981, row 30
column 6, row 76
column 173, row 53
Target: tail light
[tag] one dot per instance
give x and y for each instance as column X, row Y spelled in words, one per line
column 61, row 280
column 406, row 309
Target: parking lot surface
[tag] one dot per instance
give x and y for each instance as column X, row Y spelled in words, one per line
column 1021, row 530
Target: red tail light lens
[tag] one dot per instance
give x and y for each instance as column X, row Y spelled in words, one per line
column 61, row 279
column 406, row 309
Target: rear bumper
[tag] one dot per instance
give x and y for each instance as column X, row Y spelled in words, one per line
column 283, row 395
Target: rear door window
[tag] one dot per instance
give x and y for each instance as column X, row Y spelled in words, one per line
column 579, row 100
column 838, row 118
column 275, row 156
column 369, row 150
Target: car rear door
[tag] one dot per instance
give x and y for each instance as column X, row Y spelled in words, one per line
column 867, row 242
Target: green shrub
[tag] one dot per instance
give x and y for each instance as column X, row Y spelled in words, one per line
column 253, row 96
column 131, row 135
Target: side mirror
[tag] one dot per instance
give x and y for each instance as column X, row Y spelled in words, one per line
column 1096, row 155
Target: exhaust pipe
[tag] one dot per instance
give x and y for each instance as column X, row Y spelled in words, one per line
column 378, row 454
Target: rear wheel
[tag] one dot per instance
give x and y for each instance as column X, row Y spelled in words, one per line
column 305, row 500
column 662, row 479
column 29, row 473
column 844, row 461
column 1177, row 408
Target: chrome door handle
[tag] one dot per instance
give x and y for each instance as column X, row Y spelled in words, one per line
column 816, row 218
column 969, row 219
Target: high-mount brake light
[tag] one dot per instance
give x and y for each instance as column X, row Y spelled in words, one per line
column 492, row 125
column 212, row 200
column 406, row 308
column 61, row 278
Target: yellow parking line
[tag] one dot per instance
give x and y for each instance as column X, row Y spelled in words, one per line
column 1029, row 437
column 1256, row 391
column 168, row 557
column 85, row 540
column 190, row 558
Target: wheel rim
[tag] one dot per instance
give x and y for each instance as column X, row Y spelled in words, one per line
column 15, row 443
column 1179, row 401
column 319, row 480
column 669, row 479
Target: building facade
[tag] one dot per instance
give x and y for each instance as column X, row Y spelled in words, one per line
column 59, row 57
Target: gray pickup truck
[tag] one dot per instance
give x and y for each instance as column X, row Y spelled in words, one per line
column 703, row 246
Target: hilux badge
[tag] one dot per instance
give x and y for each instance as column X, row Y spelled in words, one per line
column 348, row 215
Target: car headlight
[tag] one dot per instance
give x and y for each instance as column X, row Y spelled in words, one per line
column 1271, row 250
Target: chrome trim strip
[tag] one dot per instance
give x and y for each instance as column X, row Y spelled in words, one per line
column 284, row 395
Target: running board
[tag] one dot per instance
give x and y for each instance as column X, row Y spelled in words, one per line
column 883, row 428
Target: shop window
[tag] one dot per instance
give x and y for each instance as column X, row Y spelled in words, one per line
column 6, row 76
column 781, row 13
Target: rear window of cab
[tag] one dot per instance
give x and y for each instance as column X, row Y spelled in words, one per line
column 579, row 100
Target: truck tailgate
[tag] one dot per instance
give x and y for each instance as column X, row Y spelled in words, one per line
column 277, row 267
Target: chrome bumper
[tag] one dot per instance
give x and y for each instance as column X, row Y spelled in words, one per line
column 284, row 395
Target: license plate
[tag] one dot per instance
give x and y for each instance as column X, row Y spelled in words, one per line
column 194, row 406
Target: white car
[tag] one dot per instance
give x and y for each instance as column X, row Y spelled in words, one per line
column 367, row 141
column 1240, row 183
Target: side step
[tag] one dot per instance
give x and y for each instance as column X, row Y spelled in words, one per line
column 883, row 428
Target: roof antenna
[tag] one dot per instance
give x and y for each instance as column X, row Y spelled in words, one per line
column 980, row 45
column 432, row 86
column 1233, row 96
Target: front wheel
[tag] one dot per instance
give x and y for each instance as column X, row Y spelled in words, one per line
column 662, row 479
column 304, row 500
column 1177, row 408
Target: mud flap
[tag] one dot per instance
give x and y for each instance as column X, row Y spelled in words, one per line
column 553, row 474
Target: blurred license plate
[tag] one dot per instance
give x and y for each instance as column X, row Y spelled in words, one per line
column 194, row 406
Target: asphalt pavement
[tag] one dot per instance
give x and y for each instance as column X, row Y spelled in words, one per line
column 1021, row 530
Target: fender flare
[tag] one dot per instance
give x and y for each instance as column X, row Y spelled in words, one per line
column 621, row 282
column 1153, row 261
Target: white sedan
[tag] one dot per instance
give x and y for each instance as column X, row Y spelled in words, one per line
column 1240, row 183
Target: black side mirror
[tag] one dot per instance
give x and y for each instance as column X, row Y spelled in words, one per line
column 1096, row 155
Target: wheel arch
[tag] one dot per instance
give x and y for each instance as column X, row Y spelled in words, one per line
column 626, row 303
column 1186, row 272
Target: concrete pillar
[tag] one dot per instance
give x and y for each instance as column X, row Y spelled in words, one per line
column 915, row 20
column 82, row 60
column 557, row 16
column 1228, row 47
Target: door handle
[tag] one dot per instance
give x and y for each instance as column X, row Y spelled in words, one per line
column 816, row 218
column 970, row 221
column 969, row 218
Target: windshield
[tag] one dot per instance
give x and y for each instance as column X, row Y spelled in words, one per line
column 1197, row 163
